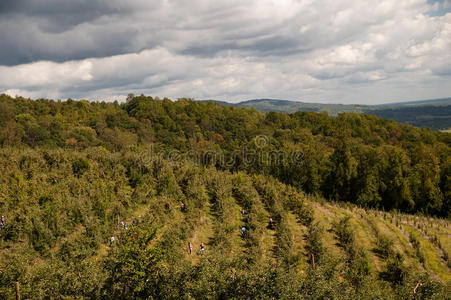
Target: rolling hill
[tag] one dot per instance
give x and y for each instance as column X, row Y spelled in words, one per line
column 435, row 113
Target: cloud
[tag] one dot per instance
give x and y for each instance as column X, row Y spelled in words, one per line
column 234, row 50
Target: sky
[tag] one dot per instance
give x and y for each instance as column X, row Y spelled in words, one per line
column 337, row 51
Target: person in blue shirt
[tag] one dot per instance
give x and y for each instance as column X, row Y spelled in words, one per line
column 243, row 231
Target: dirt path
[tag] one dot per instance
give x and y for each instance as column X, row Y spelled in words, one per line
column 298, row 233
column 202, row 233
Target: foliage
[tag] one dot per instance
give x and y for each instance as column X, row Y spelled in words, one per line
column 71, row 171
column 356, row 158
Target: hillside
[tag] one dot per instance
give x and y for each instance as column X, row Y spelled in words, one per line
column 429, row 102
column 63, row 206
column 286, row 106
column 435, row 113
column 360, row 204
column 435, row 117
column 355, row 158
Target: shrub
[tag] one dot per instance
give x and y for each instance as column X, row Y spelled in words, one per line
column 80, row 166
column 384, row 246
column 395, row 271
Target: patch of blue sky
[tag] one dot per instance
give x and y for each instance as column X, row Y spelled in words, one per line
column 441, row 7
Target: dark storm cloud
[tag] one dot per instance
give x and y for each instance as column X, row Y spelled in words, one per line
column 29, row 46
column 274, row 46
column 57, row 15
column 59, row 30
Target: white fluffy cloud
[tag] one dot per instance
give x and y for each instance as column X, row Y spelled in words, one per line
column 343, row 51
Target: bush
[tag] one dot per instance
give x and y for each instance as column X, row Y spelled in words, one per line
column 395, row 271
column 384, row 246
column 344, row 233
column 81, row 166
column 314, row 243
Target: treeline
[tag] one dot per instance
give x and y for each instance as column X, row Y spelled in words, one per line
column 354, row 158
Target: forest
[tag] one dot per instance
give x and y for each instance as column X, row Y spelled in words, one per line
column 91, row 196
column 361, row 159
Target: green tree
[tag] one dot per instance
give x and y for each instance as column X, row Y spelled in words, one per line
column 133, row 264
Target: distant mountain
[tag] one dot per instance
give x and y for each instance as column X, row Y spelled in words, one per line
column 436, row 117
column 435, row 102
column 287, row 106
column 217, row 102
column 433, row 113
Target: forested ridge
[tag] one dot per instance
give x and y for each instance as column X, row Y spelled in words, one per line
column 434, row 117
column 434, row 114
column 354, row 158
